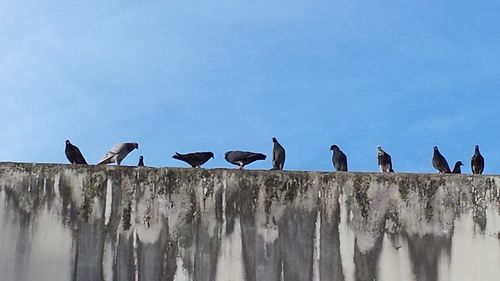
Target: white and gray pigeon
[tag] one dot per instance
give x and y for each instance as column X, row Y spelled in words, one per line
column 278, row 155
column 339, row 159
column 243, row 158
column 439, row 162
column 384, row 161
column 118, row 153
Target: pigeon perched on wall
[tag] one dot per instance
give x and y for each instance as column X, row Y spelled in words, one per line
column 73, row 154
column 118, row 153
column 384, row 161
column 339, row 159
column 477, row 162
column 456, row 169
column 278, row 155
column 141, row 161
column 195, row 159
column 243, row 158
column 439, row 162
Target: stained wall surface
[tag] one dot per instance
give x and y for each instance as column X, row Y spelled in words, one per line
column 72, row 222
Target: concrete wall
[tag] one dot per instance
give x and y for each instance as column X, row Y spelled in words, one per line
column 61, row 222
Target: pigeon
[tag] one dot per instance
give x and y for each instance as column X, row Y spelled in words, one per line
column 339, row 159
column 195, row 159
column 73, row 154
column 439, row 162
column 456, row 169
column 242, row 158
column 118, row 153
column 141, row 161
column 278, row 155
column 384, row 161
column 477, row 162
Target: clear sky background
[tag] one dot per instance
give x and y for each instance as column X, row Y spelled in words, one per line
column 222, row 75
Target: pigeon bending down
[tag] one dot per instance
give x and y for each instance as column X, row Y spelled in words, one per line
column 384, row 161
column 118, row 153
column 456, row 169
column 339, row 159
column 439, row 162
column 243, row 158
column 73, row 154
column 278, row 155
column 141, row 161
column 477, row 162
column 195, row 159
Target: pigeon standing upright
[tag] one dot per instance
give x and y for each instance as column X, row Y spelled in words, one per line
column 141, row 161
column 243, row 158
column 339, row 159
column 278, row 155
column 384, row 161
column 439, row 162
column 456, row 169
column 118, row 153
column 477, row 162
column 73, row 154
column 195, row 159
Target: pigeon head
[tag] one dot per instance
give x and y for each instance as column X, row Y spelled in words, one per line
column 211, row 155
column 67, row 142
column 334, row 147
column 436, row 149
column 379, row 150
column 131, row 146
column 141, row 158
column 225, row 155
column 460, row 163
column 275, row 140
column 476, row 147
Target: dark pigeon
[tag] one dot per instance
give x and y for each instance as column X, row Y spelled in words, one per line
column 384, row 161
column 278, row 155
column 456, row 169
column 141, row 161
column 73, row 154
column 118, row 153
column 195, row 159
column 477, row 162
column 339, row 159
column 439, row 162
column 243, row 158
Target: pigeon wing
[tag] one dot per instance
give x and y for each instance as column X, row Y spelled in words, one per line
column 78, row 156
column 185, row 158
column 107, row 158
column 278, row 157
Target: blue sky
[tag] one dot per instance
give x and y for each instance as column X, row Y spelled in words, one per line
column 195, row 76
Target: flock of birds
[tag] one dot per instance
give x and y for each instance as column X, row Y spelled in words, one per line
column 243, row 158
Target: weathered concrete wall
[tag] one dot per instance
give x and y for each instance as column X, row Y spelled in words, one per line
column 61, row 222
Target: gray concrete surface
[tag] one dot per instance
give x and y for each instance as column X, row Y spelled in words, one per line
column 63, row 222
